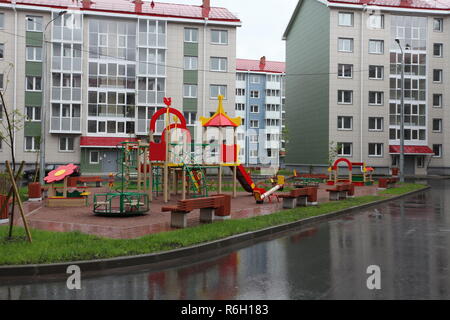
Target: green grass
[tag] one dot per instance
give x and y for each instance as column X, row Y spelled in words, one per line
column 53, row 247
column 402, row 188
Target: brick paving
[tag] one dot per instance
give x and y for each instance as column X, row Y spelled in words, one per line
column 82, row 218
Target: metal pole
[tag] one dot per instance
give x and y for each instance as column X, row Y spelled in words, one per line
column 402, row 117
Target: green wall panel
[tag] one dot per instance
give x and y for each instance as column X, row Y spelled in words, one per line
column 33, row 99
column 190, row 104
column 87, row 167
column 307, row 97
column 190, row 76
column 191, row 49
column 32, row 129
column 34, row 39
column 33, row 68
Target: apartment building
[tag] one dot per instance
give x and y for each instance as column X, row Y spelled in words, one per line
column 260, row 90
column 345, row 89
column 109, row 64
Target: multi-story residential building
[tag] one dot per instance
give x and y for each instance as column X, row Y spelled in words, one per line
column 259, row 101
column 109, row 65
column 346, row 83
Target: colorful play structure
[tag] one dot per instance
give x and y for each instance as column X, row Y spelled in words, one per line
column 156, row 168
column 64, row 196
column 362, row 179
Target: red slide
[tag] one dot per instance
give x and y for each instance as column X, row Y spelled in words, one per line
column 244, row 179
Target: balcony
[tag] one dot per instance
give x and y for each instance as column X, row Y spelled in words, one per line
column 65, row 125
column 273, row 114
column 272, row 145
column 273, row 85
column 273, row 100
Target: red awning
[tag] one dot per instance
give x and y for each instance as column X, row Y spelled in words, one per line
column 103, row 142
column 412, row 150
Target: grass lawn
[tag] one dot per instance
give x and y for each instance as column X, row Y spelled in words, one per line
column 52, row 247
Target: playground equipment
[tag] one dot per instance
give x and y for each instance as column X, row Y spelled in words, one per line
column 363, row 179
column 260, row 194
column 68, row 197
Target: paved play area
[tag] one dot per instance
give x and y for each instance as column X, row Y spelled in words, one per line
column 82, row 219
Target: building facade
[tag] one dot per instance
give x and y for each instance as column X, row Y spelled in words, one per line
column 346, row 88
column 109, row 65
column 260, row 88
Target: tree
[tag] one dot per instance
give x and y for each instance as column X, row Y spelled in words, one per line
column 14, row 122
column 333, row 151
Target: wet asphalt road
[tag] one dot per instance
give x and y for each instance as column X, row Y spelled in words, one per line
column 408, row 239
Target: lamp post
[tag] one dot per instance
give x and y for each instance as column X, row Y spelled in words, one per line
column 44, row 99
column 402, row 117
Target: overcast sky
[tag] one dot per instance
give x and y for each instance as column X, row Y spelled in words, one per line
column 263, row 25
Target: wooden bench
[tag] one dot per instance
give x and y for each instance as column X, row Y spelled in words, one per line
column 208, row 208
column 299, row 197
column 84, row 180
column 386, row 183
column 341, row 192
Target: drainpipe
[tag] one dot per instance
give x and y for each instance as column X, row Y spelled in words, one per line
column 204, row 66
column 362, row 83
column 15, row 73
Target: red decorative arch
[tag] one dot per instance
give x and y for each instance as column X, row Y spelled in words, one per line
column 173, row 111
column 350, row 165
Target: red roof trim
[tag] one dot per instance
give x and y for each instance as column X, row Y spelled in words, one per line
column 102, row 142
column 418, row 150
column 378, row 3
column 71, row 5
column 254, row 66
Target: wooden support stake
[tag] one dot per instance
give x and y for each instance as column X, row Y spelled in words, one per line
column 19, row 201
column 65, row 187
column 234, row 181
column 220, row 179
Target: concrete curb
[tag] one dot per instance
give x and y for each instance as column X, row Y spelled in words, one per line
column 22, row 272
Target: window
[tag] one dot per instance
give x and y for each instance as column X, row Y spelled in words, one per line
column 32, row 143
column 345, row 19
column 240, row 77
column 255, row 79
column 254, row 124
column 437, row 100
column 2, row 50
column 272, row 93
column 218, row 64
column 1, row 81
column 437, row 149
column 376, row 98
column 375, row 124
column 65, row 144
column 254, row 94
column 190, row 91
column 345, row 97
column 344, row 149
column 240, row 92
column 345, row 44
column 376, row 21
column 240, row 107
column 438, row 50
column 219, row 36
column 376, row 72
column 420, row 162
column 438, row 24
column 190, row 117
column 345, row 70
column 375, row 149
column 190, row 35
column 253, row 138
column 94, row 157
column 376, row 46
column 345, row 123
column 216, row 90
column 190, row 63
column 34, row 54
column 2, row 20
column 33, row 113
column 34, row 23
column 437, row 125
column 254, row 109
column 253, row 153
column 33, row 83
column 437, row 75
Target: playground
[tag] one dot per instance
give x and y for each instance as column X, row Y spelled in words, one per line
column 169, row 182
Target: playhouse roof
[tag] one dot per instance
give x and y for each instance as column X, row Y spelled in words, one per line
column 220, row 118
